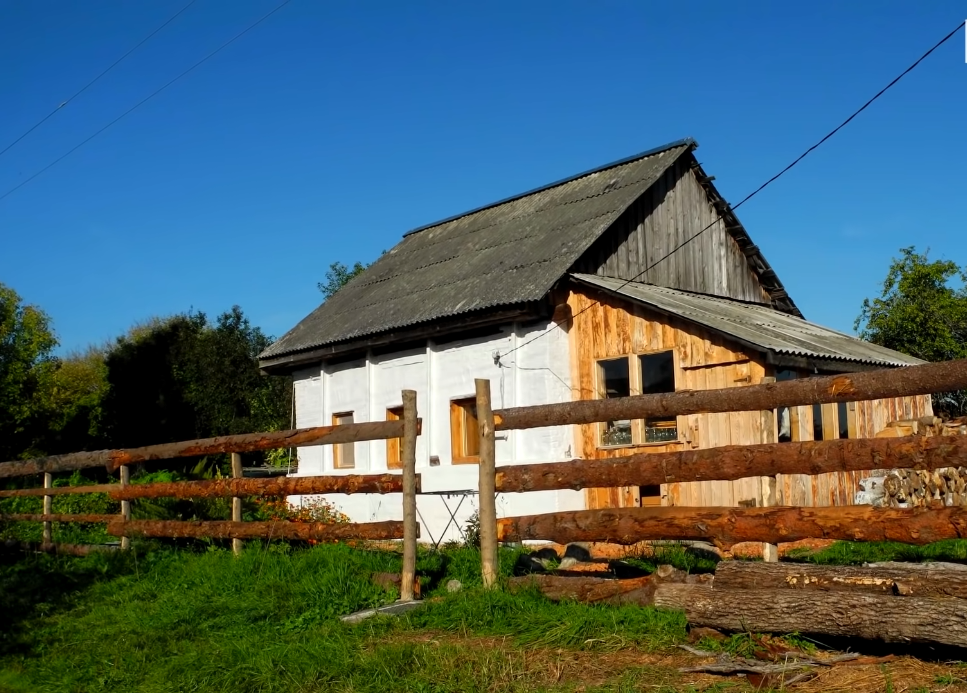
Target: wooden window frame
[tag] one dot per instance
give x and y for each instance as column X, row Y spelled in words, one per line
column 463, row 449
column 339, row 449
column 600, row 393
column 394, row 446
column 638, row 388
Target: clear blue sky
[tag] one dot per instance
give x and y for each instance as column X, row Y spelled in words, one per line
column 331, row 129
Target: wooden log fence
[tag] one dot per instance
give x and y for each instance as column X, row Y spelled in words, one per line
column 226, row 529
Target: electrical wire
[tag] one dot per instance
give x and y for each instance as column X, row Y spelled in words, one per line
column 91, row 83
column 747, row 197
column 147, row 98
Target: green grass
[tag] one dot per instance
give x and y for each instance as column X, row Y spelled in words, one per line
column 679, row 556
column 163, row 620
column 856, row 553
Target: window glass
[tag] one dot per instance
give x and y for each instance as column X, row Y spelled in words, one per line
column 344, row 454
column 657, row 376
column 614, row 381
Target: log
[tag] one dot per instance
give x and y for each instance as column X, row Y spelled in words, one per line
column 409, row 587
column 236, row 501
column 487, row 498
column 728, row 526
column 245, row 442
column 61, row 549
column 907, row 582
column 49, row 517
column 273, row 486
column 639, row 590
column 224, row 529
column 56, row 491
column 736, row 462
column 852, row 387
column 846, row 614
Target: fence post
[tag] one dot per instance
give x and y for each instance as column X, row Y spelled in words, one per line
column 408, row 458
column 48, row 509
column 769, row 484
column 487, row 485
column 125, row 505
column 236, row 501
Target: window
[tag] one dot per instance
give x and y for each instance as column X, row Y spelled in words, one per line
column 464, row 431
column 657, row 376
column 394, row 459
column 614, row 380
column 817, row 422
column 843, row 411
column 649, row 495
column 787, row 417
column 343, row 454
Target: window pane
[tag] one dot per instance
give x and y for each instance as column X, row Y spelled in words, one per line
column 615, row 381
column 394, row 445
column 344, row 453
column 471, row 430
column 657, row 376
column 817, row 422
column 843, row 420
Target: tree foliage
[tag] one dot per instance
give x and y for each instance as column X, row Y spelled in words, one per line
column 337, row 276
column 922, row 311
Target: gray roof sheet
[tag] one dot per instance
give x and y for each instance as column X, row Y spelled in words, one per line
column 508, row 253
column 756, row 325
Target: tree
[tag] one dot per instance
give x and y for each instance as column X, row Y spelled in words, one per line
column 922, row 312
column 337, row 276
column 26, row 366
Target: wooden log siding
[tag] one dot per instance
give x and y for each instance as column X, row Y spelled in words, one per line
column 278, row 487
column 728, row 526
column 224, row 529
column 852, row 387
column 737, row 462
column 246, row 442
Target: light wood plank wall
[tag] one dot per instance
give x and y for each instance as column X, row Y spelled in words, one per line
column 606, row 327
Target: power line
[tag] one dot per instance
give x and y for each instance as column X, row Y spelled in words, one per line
column 750, row 195
column 147, row 98
column 91, row 83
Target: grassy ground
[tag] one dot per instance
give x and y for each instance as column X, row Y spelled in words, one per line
column 158, row 620
column 854, row 553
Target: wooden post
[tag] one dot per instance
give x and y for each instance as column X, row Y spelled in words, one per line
column 236, row 501
column 408, row 459
column 48, row 508
column 768, row 485
column 125, row 505
column 487, row 485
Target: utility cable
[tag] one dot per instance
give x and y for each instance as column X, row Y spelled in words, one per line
column 91, row 83
column 748, row 197
column 147, row 98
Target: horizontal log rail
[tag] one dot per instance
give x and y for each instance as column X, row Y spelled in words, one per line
column 738, row 462
column 278, row 486
column 224, row 529
column 62, row 549
column 57, row 490
column 40, row 517
column 728, row 526
column 853, row 387
column 246, row 442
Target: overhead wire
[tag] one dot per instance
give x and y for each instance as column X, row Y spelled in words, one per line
column 745, row 199
column 91, row 83
column 147, row 98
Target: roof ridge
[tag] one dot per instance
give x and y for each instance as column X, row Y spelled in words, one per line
column 687, row 141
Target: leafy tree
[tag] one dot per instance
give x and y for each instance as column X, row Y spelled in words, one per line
column 26, row 366
column 337, row 276
column 922, row 312
column 72, row 402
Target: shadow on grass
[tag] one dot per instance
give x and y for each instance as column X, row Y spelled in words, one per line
column 858, row 553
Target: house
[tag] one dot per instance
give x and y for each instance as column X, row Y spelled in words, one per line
column 633, row 277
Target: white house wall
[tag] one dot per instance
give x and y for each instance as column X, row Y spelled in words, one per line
column 536, row 373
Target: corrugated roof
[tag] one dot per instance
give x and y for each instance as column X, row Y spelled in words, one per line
column 755, row 325
column 508, row 253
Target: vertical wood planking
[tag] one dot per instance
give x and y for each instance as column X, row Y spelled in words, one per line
column 487, row 486
column 48, row 507
column 236, row 501
column 408, row 455
column 125, row 505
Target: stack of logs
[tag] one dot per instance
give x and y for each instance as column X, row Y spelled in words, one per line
column 913, row 488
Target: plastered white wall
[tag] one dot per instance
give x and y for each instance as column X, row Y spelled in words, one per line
column 526, row 373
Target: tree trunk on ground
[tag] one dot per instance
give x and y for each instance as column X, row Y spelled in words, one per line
column 874, row 617
column 902, row 581
column 639, row 590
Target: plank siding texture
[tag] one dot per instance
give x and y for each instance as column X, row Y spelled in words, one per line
column 607, row 327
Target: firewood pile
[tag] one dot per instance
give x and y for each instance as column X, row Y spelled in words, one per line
column 913, row 488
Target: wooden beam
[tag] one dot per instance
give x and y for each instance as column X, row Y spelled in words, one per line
column 870, row 616
column 486, row 476
column 728, row 526
column 891, row 382
column 279, row 486
column 236, row 501
column 738, row 462
column 56, row 491
column 410, row 527
column 900, row 581
column 125, row 506
column 223, row 529
column 246, row 442
column 50, row 517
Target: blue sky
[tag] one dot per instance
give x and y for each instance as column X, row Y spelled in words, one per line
column 332, row 128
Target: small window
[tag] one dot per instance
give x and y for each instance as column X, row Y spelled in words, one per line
column 785, row 415
column 343, row 454
column 394, row 459
column 657, row 376
column 843, row 411
column 464, row 431
column 649, row 495
column 817, row 422
column 614, row 381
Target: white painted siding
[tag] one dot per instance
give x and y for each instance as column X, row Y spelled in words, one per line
column 537, row 373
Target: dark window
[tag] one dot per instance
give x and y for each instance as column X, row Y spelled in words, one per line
column 784, row 414
column 657, row 376
column 843, row 419
column 817, row 422
column 614, row 381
